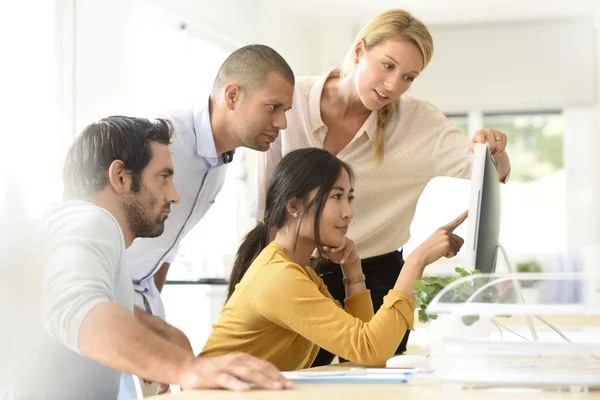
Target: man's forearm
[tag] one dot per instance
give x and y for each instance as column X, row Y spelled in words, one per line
column 156, row 324
column 113, row 337
column 162, row 328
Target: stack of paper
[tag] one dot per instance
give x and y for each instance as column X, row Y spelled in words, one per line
column 354, row 375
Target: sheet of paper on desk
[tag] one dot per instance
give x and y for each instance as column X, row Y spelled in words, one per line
column 368, row 375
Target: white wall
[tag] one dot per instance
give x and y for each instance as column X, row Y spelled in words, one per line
column 582, row 141
column 534, row 65
column 510, row 66
column 100, row 59
column 527, row 65
column 298, row 41
column 335, row 44
column 101, row 70
column 583, row 175
column 239, row 20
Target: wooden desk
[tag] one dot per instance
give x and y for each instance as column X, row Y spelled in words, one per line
column 415, row 390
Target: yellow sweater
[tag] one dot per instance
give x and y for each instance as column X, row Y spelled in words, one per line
column 282, row 312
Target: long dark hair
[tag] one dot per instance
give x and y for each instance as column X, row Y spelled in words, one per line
column 296, row 176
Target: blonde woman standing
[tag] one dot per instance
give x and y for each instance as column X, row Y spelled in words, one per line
column 395, row 144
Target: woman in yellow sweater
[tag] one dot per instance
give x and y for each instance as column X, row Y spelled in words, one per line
column 279, row 310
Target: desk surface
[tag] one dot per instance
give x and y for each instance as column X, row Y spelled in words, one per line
column 415, row 390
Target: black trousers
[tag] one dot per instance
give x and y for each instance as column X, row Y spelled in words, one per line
column 381, row 273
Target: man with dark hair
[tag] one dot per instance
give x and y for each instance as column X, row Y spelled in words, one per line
column 118, row 179
column 251, row 93
column 251, row 66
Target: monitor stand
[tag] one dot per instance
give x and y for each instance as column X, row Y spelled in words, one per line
column 521, row 298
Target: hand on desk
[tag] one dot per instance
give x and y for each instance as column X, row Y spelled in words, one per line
column 231, row 372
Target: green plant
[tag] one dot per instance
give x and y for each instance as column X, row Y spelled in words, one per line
column 428, row 287
column 532, row 266
column 529, row 266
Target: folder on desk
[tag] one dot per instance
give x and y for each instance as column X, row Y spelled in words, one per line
column 361, row 376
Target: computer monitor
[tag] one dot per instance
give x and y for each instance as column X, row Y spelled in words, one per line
column 484, row 222
column 484, row 212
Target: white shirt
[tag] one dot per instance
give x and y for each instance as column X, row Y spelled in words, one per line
column 420, row 144
column 199, row 176
column 83, row 266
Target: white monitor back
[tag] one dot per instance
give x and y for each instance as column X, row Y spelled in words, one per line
column 484, row 212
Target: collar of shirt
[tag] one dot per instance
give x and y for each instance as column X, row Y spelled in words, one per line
column 314, row 104
column 205, row 140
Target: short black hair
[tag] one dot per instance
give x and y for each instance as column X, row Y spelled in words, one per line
column 113, row 138
column 250, row 66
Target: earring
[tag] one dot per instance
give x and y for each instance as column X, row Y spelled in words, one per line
column 295, row 214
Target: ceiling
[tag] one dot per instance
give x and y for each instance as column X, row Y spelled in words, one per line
column 436, row 11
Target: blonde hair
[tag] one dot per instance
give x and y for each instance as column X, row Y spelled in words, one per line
column 389, row 24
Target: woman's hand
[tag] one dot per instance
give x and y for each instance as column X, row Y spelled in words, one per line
column 496, row 142
column 344, row 255
column 443, row 242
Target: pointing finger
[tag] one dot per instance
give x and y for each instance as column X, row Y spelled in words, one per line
column 451, row 226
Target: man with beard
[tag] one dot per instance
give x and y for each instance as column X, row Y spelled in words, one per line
column 118, row 179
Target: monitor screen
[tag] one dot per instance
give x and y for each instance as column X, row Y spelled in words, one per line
column 484, row 212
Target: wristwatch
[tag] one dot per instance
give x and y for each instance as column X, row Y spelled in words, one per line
column 355, row 279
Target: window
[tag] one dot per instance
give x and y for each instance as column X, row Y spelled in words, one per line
column 535, row 143
column 534, row 195
column 461, row 120
column 31, row 97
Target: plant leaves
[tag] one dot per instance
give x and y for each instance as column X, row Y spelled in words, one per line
column 428, row 287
